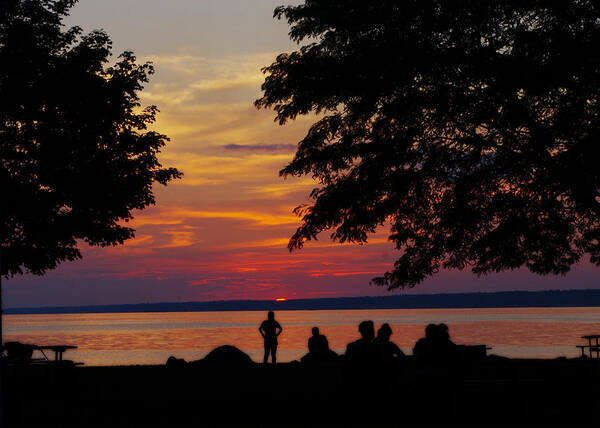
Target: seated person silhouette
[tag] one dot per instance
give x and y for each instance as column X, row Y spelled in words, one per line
column 318, row 348
column 386, row 350
column 269, row 329
column 361, row 350
column 423, row 348
column 436, row 346
column 317, row 344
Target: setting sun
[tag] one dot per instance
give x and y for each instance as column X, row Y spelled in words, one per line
column 280, row 299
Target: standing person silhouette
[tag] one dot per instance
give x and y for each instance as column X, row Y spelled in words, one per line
column 269, row 329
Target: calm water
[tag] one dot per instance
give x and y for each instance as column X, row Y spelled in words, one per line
column 150, row 338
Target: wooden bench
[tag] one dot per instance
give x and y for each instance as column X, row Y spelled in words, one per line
column 592, row 347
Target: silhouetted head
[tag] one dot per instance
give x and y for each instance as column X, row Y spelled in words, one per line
column 315, row 331
column 430, row 331
column 271, row 315
column 384, row 332
column 443, row 331
column 367, row 330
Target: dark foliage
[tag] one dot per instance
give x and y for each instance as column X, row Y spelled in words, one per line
column 75, row 154
column 471, row 127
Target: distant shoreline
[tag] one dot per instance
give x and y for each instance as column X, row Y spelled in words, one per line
column 503, row 299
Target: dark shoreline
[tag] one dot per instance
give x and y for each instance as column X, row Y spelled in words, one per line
column 504, row 299
column 492, row 392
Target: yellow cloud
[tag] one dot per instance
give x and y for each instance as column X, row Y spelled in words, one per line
column 139, row 241
column 253, row 80
column 180, row 238
column 260, row 218
column 148, row 219
column 290, row 186
column 190, row 76
column 210, row 169
column 275, row 242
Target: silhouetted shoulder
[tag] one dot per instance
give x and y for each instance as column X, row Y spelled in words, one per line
column 394, row 349
column 360, row 350
column 351, row 348
column 420, row 348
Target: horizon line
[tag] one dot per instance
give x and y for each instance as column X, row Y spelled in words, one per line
column 281, row 305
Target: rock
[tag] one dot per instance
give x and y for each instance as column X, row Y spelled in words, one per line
column 228, row 355
column 175, row 362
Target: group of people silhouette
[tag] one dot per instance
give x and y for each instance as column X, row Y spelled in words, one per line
column 370, row 348
column 435, row 346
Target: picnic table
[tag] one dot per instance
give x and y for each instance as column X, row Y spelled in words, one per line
column 58, row 350
column 21, row 353
column 592, row 346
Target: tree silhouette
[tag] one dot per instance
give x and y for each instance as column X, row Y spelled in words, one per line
column 470, row 127
column 75, row 154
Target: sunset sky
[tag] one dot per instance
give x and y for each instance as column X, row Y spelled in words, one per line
column 221, row 232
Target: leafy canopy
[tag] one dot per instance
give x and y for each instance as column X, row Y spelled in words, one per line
column 75, row 154
column 471, row 127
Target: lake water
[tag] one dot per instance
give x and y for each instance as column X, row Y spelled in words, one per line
column 150, row 338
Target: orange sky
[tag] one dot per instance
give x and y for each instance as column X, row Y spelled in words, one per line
column 221, row 232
